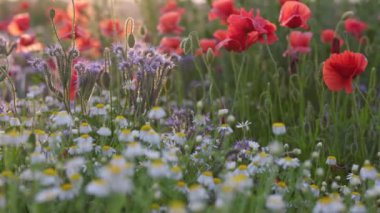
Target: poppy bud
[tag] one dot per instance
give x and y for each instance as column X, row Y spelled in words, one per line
column 335, row 48
column 209, row 56
column 104, row 80
column 104, row 77
column 347, row 15
column 186, row 45
column 129, row 26
column 131, row 41
column 142, row 31
column 52, row 14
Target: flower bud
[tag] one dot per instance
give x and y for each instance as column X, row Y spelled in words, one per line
column 52, row 14
column 347, row 15
column 131, row 41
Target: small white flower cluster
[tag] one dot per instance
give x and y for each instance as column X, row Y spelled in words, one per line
column 104, row 155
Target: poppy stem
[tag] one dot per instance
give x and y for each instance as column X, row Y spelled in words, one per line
column 270, row 53
column 73, row 28
column 365, row 99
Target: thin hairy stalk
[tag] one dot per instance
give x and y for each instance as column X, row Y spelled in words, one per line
column 13, row 88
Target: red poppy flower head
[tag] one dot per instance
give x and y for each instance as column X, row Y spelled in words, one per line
column 283, row 1
column 266, row 29
column 340, row 69
column 220, row 35
column 222, row 9
column 169, row 23
column 171, row 45
column 27, row 39
column 111, row 28
column 65, row 32
column 170, row 6
column 23, row 6
column 299, row 42
column 329, row 36
column 294, row 14
column 28, row 43
column 80, row 7
column 206, row 44
column 88, row 44
column 19, row 25
column 245, row 29
column 355, row 27
column 82, row 10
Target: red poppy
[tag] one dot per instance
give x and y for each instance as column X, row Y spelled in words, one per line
column 283, row 1
column 294, row 14
column 266, row 30
column 19, row 25
column 299, row 42
column 355, row 27
column 65, row 32
column 206, row 44
column 245, row 29
column 111, row 28
column 222, row 9
column 169, row 23
column 329, row 36
column 80, row 8
column 340, row 69
column 171, row 45
column 88, row 43
column 171, row 6
column 23, row 6
column 81, row 11
column 220, row 35
column 28, row 43
column 26, row 39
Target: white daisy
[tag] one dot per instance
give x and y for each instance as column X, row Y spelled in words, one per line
column 47, row 195
column 329, row 204
column 331, row 161
column 158, row 168
column 104, row 131
column 206, row 179
column 134, row 149
column 126, row 135
column 288, row 162
column 368, row 172
column 85, row 128
column 156, row 113
column 278, row 128
column 275, row 203
column 98, row 188
column 62, row 118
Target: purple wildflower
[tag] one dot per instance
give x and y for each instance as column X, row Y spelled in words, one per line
column 38, row 64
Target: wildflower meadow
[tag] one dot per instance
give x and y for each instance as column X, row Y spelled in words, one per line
column 189, row 106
